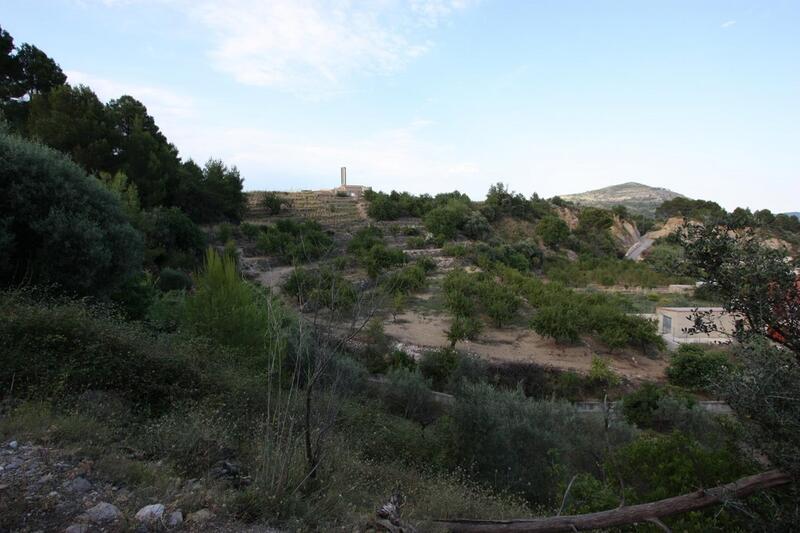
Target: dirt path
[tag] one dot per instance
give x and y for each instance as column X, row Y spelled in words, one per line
column 517, row 344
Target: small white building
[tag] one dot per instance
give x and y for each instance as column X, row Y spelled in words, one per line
column 355, row 191
column 676, row 325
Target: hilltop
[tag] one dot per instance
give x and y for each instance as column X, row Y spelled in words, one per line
column 637, row 197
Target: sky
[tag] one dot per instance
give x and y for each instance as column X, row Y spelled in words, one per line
column 553, row 97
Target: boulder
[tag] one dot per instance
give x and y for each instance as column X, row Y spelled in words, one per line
column 150, row 513
column 103, row 513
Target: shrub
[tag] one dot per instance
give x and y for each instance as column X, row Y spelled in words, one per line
column 272, row 203
column 463, row 328
column 437, row 366
column 173, row 280
column 408, row 395
column 524, row 446
column 641, row 407
column 229, row 310
column 250, row 231
column 553, row 231
column 53, row 349
column 602, row 374
column 499, row 301
column 294, row 241
column 60, row 226
column 695, row 368
column 318, row 288
column 172, row 239
column 445, row 221
column 475, row 225
column 406, row 280
column 454, row 250
column 415, row 243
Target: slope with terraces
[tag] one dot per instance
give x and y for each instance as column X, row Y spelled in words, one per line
column 326, row 207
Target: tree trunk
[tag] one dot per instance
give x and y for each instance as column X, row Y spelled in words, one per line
column 646, row 512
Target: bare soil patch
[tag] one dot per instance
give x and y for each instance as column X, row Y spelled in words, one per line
column 519, row 344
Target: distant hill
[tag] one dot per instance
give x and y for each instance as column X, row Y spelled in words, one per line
column 638, row 198
column 795, row 214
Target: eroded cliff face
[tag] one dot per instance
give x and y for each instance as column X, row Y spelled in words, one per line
column 624, row 232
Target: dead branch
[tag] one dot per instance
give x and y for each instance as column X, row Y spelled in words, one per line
column 646, row 512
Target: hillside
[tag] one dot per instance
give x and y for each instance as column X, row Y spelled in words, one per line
column 637, row 197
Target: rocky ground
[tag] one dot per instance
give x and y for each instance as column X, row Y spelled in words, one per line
column 45, row 489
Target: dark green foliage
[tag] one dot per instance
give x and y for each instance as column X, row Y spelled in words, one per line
column 668, row 259
column 295, row 241
column 231, row 311
column 475, row 226
column 764, row 393
column 60, row 226
column 445, row 221
column 320, row 288
column 57, row 349
column 692, row 209
column 523, row 255
column 170, row 279
column 592, row 219
column 135, row 296
column 694, row 367
column 642, row 407
column 116, row 137
column 395, row 205
column 272, row 203
column 74, row 121
column 553, row 231
column 500, row 202
column 25, row 71
column 437, row 366
column 522, row 445
column 364, row 239
column 406, row 280
column 611, row 271
column 565, row 315
column 655, row 466
column 499, row 301
column 171, row 238
column 408, row 394
column 463, row 328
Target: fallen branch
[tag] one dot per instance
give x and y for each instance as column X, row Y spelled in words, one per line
column 646, row 512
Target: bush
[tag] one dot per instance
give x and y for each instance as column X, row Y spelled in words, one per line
column 641, row 407
column 231, row 311
column 525, row 446
column 437, row 366
column 54, row 349
column 415, row 243
column 463, row 328
column 553, row 231
column 406, row 280
column 171, row 238
column 318, row 288
column 445, row 221
column 601, row 373
column 294, row 241
column 272, row 203
column 60, row 226
column 408, row 395
column 173, row 280
column 695, row 368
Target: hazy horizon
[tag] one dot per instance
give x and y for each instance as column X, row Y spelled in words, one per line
column 436, row 95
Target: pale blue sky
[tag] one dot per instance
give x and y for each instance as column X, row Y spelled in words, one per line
column 559, row 96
